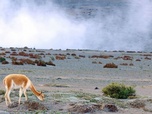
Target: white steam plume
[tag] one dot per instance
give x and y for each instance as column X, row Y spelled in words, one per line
column 38, row 26
column 128, row 29
column 46, row 25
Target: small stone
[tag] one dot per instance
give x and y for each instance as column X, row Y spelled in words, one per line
column 96, row 88
column 59, row 78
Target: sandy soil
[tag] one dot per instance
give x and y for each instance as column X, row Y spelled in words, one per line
column 80, row 72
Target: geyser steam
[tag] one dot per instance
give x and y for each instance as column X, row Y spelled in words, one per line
column 44, row 24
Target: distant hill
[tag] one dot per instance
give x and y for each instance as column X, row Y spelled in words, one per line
column 90, row 2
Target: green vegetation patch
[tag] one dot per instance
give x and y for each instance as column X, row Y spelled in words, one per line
column 119, row 91
column 2, row 92
column 87, row 96
column 2, row 59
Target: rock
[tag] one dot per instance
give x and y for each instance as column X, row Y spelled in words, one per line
column 148, row 108
column 13, row 105
column 84, row 108
column 137, row 104
column 110, row 108
column 32, row 105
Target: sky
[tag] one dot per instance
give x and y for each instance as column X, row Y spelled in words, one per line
column 46, row 26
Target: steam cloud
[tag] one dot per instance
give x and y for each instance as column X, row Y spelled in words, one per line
column 47, row 25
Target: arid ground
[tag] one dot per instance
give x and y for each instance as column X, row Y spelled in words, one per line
column 72, row 80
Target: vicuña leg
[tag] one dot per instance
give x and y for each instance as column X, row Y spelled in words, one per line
column 24, row 90
column 20, row 95
column 7, row 97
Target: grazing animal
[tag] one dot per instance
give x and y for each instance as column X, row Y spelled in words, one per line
column 21, row 81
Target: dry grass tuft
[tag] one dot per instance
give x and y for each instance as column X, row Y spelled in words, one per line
column 110, row 65
column 32, row 105
column 84, row 108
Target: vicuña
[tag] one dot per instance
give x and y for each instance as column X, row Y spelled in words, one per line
column 21, row 81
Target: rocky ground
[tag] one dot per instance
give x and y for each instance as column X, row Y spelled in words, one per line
column 72, row 80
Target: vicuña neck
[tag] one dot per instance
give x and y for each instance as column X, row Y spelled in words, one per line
column 34, row 90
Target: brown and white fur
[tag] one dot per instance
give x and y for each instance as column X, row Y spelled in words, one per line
column 21, row 81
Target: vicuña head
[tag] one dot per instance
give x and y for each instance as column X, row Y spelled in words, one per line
column 23, row 82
